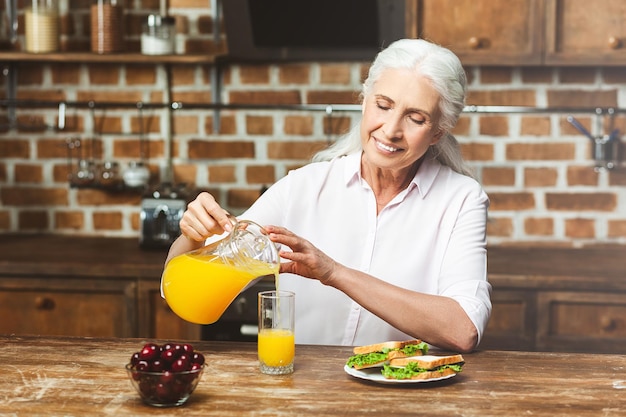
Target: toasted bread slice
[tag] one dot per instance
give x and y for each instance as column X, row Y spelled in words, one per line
column 427, row 361
column 379, row 347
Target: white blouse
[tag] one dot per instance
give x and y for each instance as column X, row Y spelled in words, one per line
column 430, row 238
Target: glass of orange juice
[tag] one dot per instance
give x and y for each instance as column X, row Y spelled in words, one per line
column 276, row 343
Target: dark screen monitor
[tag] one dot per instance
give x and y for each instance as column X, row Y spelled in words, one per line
column 318, row 30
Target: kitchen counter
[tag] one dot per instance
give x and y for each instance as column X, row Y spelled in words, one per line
column 51, row 376
column 107, row 256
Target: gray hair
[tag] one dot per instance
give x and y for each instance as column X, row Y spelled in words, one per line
column 444, row 70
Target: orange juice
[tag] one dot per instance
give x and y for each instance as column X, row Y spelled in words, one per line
column 276, row 347
column 200, row 287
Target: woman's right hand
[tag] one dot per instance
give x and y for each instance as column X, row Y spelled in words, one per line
column 204, row 217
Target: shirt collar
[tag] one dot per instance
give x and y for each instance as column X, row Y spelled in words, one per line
column 423, row 180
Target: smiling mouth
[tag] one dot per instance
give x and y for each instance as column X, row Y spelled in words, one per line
column 386, row 148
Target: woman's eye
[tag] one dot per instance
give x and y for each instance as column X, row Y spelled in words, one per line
column 418, row 121
column 382, row 106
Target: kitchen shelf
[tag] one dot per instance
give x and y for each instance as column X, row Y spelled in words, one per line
column 118, row 58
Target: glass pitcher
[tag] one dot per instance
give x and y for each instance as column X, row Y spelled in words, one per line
column 201, row 284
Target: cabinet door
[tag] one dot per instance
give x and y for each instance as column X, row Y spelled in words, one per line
column 582, row 322
column 586, row 32
column 68, row 307
column 157, row 320
column 513, row 323
column 484, row 32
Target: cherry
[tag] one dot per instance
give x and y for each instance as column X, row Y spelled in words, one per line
column 168, row 360
column 150, row 352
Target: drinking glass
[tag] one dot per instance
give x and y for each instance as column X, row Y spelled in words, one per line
column 276, row 343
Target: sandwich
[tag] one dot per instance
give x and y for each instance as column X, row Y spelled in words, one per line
column 423, row 367
column 379, row 354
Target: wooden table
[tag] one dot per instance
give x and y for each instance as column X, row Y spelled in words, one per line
column 85, row 377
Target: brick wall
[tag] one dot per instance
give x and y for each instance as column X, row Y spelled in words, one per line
column 536, row 167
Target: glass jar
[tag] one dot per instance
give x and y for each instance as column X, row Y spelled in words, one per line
column 158, row 35
column 107, row 27
column 41, row 22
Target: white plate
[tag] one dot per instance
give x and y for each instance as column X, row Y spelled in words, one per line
column 375, row 375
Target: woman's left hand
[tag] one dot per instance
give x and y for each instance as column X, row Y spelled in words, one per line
column 304, row 259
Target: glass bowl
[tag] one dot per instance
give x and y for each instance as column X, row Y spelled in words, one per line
column 165, row 388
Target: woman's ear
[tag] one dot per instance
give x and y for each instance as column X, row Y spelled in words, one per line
column 437, row 136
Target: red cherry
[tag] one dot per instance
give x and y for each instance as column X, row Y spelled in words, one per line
column 188, row 348
column 134, row 359
column 150, row 352
column 181, row 364
column 197, row 358
column 142, row 366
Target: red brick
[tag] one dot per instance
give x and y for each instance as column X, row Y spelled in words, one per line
column 577, row 175
column 336, row 125
column 294, row 74
column 185, row 124
column 259, row 125
column 115, row 95
column 93, row 197
column 580, row 228
column 254, row 74
column 107, row 221
column 540, row 151
column 332, row 97
column 582, row 98
column 29, row 74
column 534, row 75
column 65, row 73
column 149, row 123
column 28, row 173
column 498, row 176
column 14, row 148
column 132, row 148
column 32, row 220
column 222, row 174
column 183, row 75
column 617, row 228
column 540, row 177
column 265, row 97
column 539, row 226
column 496, row 75
column 201, row 149
column 577, row 75
column 106, row 74
column 294, row 149
column 501, row 98
column 69, row 220
column 494, row 125
column 581, row 201
column 33, row 196
column 260, row 174
column 185, row 173
column 335, row 74
column 477, row 151
column 535, row 126
column 228, row 125
column 298, row 125
column 140, row 75
column 511, row 201
column 616, row 177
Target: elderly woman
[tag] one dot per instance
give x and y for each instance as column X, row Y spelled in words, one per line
column 383, row 235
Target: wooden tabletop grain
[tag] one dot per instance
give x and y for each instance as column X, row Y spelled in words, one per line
column 86, row 377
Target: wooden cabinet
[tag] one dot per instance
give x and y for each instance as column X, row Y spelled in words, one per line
column 513, row 321
column 585, row 32
column 157, row 320
column 524, row 32
column 68, row 307
column 484, row 32
column 581, row 321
